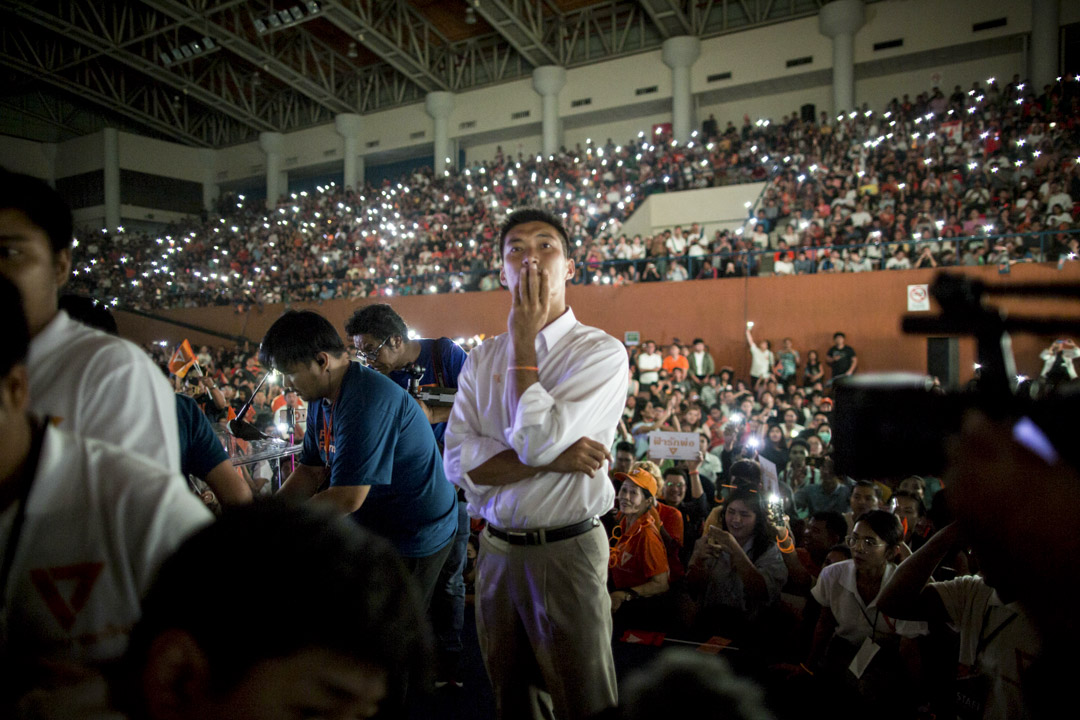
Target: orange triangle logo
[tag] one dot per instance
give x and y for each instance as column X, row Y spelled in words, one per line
column 77, row 579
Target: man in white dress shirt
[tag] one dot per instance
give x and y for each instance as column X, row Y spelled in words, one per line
column 536, row 410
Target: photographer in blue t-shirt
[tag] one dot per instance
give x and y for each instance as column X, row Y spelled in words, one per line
column 381, row 339
column 369, row 440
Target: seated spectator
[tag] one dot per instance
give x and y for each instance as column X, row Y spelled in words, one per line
column 825, row 530
column 864, row 497
column 850, row 620
column 89, row 525
column 912, row 513
column 828, row 493
column 639, row 565
column 683, row 490
column 898, row 261
column 736, row 571
column 997, row 638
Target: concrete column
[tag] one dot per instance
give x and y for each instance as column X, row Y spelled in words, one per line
column 112, row 178
column 273, row 144
column 679, row 54
column 439, row 104
column 1043, row 48
column 349, row 126
column 548, row 80
column 360, row 177
column 840, row 20
column 210, row 189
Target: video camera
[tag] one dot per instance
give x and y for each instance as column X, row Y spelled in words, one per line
column 430, row 395
column 896, row 424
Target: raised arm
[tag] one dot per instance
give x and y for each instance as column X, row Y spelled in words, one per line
column 907, row 595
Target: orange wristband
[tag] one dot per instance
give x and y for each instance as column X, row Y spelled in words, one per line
column 523, row 367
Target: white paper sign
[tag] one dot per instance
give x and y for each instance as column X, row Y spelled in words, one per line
column 918, row 298
column 673, row 445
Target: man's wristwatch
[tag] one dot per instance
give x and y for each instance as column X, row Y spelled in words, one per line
column 630, row 593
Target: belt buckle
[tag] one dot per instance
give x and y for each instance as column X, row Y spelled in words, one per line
column 522, row 534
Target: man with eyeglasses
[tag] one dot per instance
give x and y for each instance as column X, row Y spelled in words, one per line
column 381, row 340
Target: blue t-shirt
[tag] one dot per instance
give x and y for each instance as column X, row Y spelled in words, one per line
column 451, row 357
column 375, row 434
column 200, row 449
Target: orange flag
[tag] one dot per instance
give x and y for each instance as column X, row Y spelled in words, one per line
column 183, row 360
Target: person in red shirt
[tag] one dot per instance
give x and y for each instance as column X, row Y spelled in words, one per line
column 638, row 567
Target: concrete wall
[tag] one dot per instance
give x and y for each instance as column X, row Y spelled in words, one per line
column 27, row 157
column 713, row 208
column 809, row 309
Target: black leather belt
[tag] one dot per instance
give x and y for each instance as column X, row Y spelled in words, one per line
column 542, row 536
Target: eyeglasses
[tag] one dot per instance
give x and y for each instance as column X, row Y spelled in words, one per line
column 868, row 543
column 369, row 356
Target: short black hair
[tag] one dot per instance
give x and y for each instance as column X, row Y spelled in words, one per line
column 678, row 471
column 839, row 334
column 870, row 484
column 745, row 473
column 41, row 205
column 13, row 329
column 834, row 522
column 799, row 442
column 920, row 506
column 345, row 589
column 625, row 446
column 885, row 525
column 379, row 320
column 528, row 215
column 297, row 337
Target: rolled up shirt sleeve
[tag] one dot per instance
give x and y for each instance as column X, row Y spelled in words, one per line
column 587, row 401
column 466, row 447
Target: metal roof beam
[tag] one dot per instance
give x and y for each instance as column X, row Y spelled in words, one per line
column 88, row 37
column 668, row 17
column 147, row 105
column 301, row 46
column 522, row 24
column 395, row 32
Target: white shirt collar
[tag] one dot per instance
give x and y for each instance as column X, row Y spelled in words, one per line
column 847, row 580
column 555, row 331
column 52, row 335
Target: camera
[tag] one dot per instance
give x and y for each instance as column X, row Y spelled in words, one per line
column 897, row 424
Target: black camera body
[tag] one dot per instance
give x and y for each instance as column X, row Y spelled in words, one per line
column 897, row 424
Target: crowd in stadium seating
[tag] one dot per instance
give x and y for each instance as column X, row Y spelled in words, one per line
column 995, row 164
column 850, row 592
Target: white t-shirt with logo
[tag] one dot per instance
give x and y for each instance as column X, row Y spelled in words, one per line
column 99, row 522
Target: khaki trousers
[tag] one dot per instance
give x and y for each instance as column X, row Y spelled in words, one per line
column 543, row 616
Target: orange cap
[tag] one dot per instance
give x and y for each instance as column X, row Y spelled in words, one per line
column 640, row 477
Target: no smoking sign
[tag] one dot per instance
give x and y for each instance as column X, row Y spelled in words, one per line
column 918, row 298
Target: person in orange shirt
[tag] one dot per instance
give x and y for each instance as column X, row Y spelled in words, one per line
column 638, row 567
column 675, row 359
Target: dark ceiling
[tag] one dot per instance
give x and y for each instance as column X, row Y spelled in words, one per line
column 212, row 73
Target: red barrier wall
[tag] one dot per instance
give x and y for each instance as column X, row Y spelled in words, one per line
column 868, row 307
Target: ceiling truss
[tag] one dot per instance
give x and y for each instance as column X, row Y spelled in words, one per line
column 89, row 56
